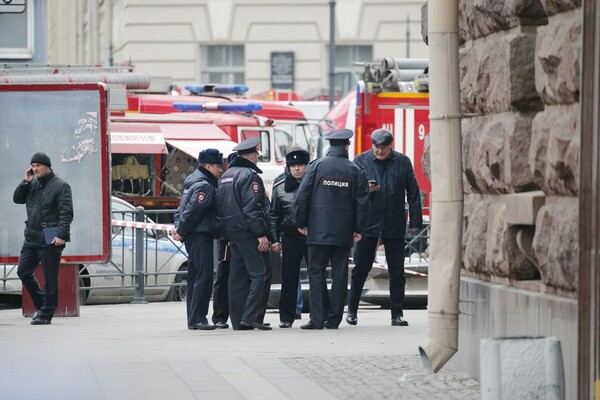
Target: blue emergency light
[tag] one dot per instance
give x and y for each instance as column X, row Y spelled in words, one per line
column 217, row 106
column 200, row 88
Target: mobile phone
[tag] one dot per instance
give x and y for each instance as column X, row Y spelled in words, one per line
column 372, row 182
column 30, row 171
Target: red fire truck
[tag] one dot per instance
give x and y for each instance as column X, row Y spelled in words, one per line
column 290, row 125
column 394, row 95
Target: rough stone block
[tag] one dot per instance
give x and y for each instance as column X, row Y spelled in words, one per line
column 497, row 74
column 556, row 244
column 495, row 149
column 474, row 233
column 484, row 17
column 554, row 150
column 552, row 7
column 558, row 59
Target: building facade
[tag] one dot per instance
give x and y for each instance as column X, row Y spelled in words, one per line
column 235, row 41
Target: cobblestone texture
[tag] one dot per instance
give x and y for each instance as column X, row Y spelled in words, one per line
column 384, row 377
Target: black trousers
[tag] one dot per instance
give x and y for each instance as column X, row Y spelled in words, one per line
column 318, row 259
column 294, row 249
column 45, row 301
column 199, row 276
column 220, row 289
column 364, row 254
column 249, row 282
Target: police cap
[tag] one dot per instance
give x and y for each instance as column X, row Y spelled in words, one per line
column 339, row 137
column 381, row 137
column 247, row 146
column 297, row 157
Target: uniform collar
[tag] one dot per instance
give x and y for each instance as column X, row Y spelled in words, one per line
column 338, row 151
column 244, row 163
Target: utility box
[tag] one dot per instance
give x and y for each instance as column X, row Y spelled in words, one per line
column 514, row 368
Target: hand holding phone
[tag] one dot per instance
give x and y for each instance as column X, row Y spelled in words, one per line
column 373, row 185
column 29, row 174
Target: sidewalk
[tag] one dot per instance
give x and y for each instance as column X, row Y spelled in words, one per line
column 146, row 352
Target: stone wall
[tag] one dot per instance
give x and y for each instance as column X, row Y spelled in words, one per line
column 519, row 69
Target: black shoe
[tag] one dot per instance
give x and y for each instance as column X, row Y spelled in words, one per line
column 310, row 326
column 399, row 321
column 298, row 316
column 285, row 324
column 329, row 325
column 266, row 324
column 351, row 319
column 40, row 321
column 221, row 325
column 36, row 315
column 257, row 325
column 245, row 327
column 202, row 326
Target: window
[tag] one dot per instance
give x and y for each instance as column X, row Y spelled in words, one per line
column 222, row 64
column 264, row 154
column 345, row 73
column 16, row 33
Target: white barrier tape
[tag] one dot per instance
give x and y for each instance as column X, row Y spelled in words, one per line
column 143, row 225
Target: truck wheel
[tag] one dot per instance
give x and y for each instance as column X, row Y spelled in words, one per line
column 179, row 293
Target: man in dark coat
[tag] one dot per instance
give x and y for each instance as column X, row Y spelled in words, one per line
column 49, row 203
column 220, row 287
column 331, row 208
column 196, row 225
column 284, row 231
column 244, row 216
column 391, row 179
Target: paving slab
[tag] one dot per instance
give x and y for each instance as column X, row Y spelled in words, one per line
column 145, row 351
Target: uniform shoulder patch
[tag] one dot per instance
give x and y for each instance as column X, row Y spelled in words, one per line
column 255, row 187
column 201, row 197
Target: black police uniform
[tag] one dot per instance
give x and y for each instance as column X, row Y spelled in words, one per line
column 386, row 221
column 243, row 212
column 220, row 287
column 196, row 221
column 332, row 204
column 285, row 230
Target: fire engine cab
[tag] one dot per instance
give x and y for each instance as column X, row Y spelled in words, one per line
column 394, row 94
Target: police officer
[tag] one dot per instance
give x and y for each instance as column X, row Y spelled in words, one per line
column 331, row 208
column 284, row 231
column 391, row 178
column 244, row 215
column 220, row 289
column 196, row 224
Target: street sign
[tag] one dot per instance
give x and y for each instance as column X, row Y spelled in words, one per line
column 12, row 6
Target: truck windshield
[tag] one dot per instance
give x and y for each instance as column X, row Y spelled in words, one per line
column 289, row 134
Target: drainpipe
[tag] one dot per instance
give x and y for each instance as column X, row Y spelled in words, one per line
column 446, row 180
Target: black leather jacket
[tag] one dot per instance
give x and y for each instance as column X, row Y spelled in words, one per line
column 396, row 179
column 48, row 199
column 332, row 200
column 242, row 201
column 282, row 212
column 197, row 211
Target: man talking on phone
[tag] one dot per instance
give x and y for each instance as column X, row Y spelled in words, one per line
column 391, row 177
column 49, row 204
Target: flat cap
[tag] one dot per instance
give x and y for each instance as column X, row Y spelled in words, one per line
column 247, row 146
column 381, row 137
column 340, row 134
